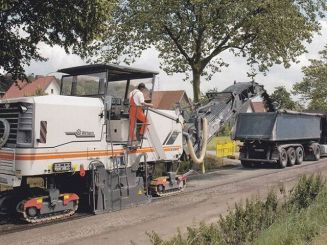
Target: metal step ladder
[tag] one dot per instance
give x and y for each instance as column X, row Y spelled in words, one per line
column 135, row 144
column 122, row 175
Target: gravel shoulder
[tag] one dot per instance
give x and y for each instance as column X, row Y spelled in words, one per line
column 206, row 197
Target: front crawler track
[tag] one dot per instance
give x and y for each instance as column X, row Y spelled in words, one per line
column 164, row 186
column 169, row 192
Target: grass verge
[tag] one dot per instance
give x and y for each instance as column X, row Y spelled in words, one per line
column 298, row 218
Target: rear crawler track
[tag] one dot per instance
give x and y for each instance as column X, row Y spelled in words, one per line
column 43, row 209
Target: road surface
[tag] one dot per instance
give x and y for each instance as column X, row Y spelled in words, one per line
column 205, row 198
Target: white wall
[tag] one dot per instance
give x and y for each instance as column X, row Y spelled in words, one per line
column 249, row 110
column 53, row 88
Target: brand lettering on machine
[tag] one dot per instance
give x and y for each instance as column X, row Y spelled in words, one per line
column 81, row 134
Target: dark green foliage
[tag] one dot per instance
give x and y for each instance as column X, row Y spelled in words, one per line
column 283, row 99
column 211, row 163
column 184, row 167
column 191, row 35
column 38, row 92
column 305, row 219
column 72, row 24
column 202, row 235
column 306, row 191
column 226, row 130
column 206, row 234
column 313, row 88
column 244, row 223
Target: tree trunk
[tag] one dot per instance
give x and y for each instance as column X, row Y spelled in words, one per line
column 196, row 85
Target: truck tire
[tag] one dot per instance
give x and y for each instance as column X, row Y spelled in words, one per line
column 291, row 156
column 316, row 153
column 282, row 161
column 299, row 155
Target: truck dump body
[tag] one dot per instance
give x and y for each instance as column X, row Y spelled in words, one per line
column 277, row 126
column 323, row 141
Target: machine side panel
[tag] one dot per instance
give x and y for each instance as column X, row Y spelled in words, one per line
column 68, row 119
column 169, row 133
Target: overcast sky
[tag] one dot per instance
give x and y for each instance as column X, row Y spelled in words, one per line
column 237, row 70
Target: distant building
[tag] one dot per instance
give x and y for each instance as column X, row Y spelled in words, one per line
column 42, row 85
column 257, row 107
column 167, row 100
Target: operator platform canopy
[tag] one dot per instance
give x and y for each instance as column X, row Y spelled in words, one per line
column 115, row 72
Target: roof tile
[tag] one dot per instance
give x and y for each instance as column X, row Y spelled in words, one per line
column 166, row 100
column 27, row 89
column 258, row 107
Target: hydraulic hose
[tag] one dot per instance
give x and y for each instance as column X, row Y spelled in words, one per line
column 199, row 160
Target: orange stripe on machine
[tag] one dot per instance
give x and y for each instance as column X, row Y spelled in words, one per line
column 78, row 154
column 7, row 156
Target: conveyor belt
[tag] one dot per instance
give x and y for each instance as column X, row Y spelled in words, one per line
column 224, row 106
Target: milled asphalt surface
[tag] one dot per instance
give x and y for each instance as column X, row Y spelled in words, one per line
column 206, row 197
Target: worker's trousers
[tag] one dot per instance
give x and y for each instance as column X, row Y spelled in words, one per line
column 136, row 113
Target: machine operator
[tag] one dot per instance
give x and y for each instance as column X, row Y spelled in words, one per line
column 137, row 103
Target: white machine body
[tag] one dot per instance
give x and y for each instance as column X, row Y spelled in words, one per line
column 68, row 132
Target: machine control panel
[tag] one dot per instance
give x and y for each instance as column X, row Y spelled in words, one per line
column 116, row 101
column 119, row 108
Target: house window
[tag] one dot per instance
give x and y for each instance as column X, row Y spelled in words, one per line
column 52, row 91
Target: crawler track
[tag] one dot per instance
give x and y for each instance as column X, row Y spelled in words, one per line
column 50, row 218
column 12, row 226
column 172, row 192
column 15, row 225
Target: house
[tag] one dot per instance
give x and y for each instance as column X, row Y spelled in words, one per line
column 257, row 107
column 167, row 100
column 42, row 85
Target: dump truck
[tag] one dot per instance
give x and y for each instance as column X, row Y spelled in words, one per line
column 284, row 138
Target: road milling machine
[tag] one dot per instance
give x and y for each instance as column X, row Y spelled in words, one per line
column 61, row 151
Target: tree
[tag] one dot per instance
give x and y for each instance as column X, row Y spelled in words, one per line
column 72, row 24
column 283, row 99
column 37, row 92
column 190, row 35
column 313, row 88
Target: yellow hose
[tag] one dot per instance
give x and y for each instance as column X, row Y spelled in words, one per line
column 199, row 160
